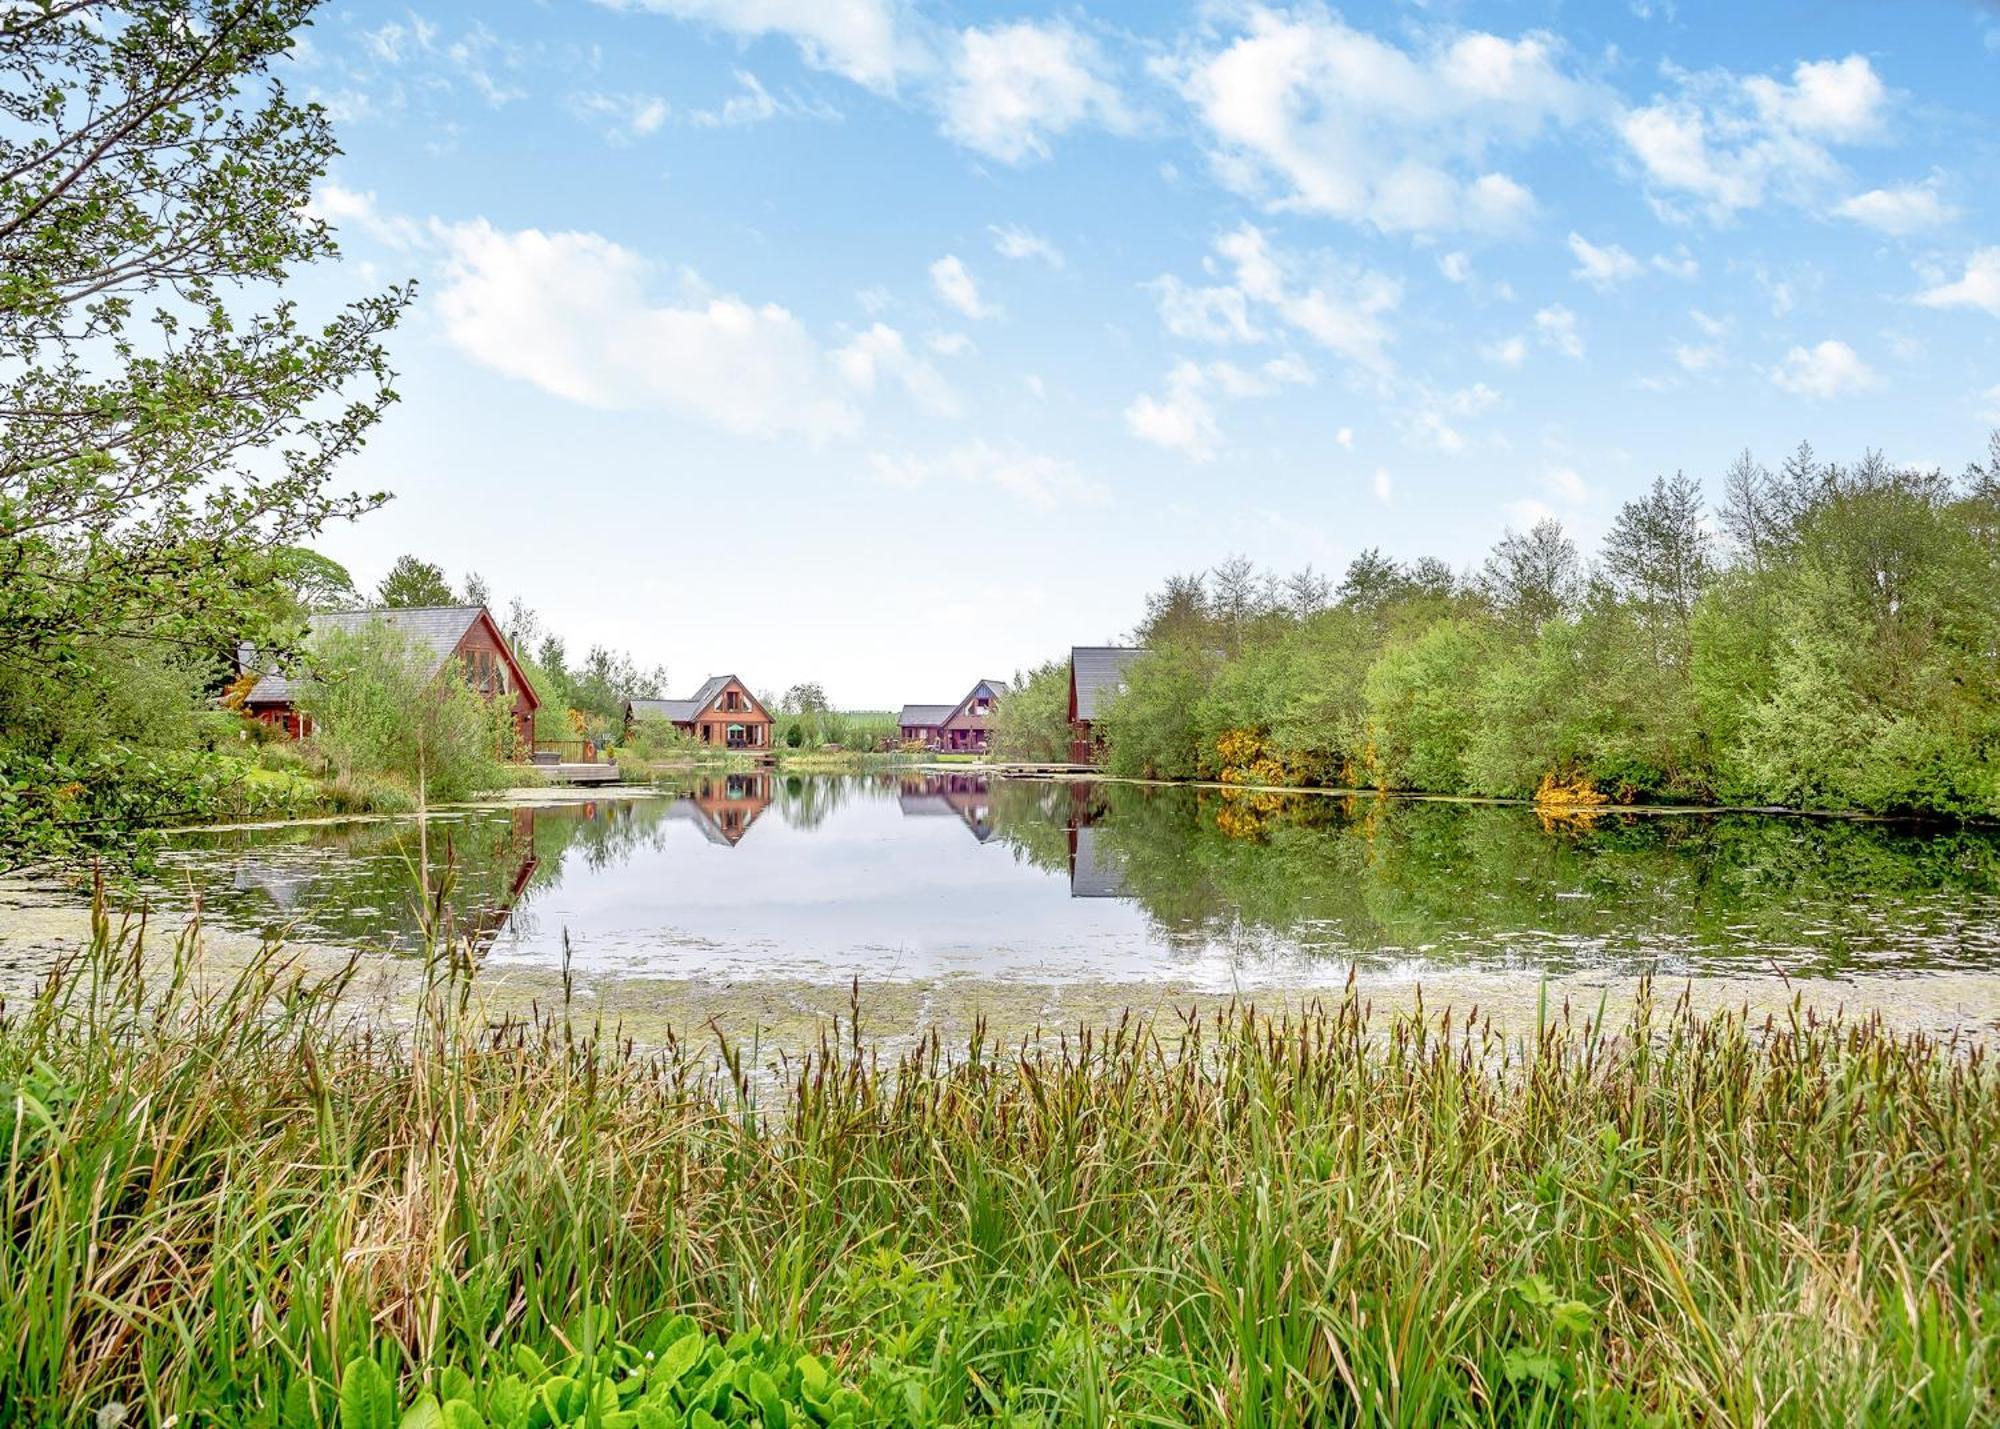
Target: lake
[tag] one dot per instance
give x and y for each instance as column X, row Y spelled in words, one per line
column 920, row 875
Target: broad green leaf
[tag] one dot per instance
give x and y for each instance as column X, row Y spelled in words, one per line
column 367, row 1399
column 676, row 1360
column 763, row 1392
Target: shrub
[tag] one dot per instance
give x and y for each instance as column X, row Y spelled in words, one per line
column 676, row 1376
column 382, row 708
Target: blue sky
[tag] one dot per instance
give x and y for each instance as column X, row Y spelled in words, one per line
column 892, row 345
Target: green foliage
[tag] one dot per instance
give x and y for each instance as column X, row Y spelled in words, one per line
column 676, row 1377
column 1838, row 655
column 1420, row 722
column 1032, row 722
column 412, row 583
column 380, row 707
column 233, row 1203
column 60, row 807
column 163, row 435
column 860, row 731
column 1151, row 725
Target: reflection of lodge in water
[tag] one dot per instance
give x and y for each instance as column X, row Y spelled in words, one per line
column 724, row 806
column 966, row 797
column 294, row 888
column 1094, row 871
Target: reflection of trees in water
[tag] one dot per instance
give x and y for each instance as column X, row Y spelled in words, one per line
column 1354, row 875
column 806, row 801
column 1361, row 875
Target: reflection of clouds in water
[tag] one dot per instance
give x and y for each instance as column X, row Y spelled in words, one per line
column 916, row 874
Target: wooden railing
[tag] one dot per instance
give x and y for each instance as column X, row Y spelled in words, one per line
column 565, row 751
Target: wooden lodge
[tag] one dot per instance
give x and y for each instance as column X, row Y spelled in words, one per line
column 963, row 728
column 722, row 712
column 467, row 634
column 1096, row 675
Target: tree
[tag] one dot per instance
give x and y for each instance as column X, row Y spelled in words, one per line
column 1032, row 723
column 1657, row 553
column 1536, row 577
column 1233, row 596
column 477, row 592
column 805, row 699
column 1307, row 592
column 411, row 583
column 311, row 581
column 163, row 434
column 383, row 708
column 1179, row 610
column 1372, row 581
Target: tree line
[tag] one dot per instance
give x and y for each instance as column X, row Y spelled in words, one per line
column 1824, row 636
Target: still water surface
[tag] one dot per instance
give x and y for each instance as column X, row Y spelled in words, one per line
column 907, row 875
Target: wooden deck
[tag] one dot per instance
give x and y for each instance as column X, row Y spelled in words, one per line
column 578, row 773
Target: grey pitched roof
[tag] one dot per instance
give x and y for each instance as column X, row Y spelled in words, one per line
column 1098, row 672
column 925, row 714
column 435, row 628
column 684, row 711
column 679, row 711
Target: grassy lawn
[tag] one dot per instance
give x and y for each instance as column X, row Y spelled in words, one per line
column 228, row 1204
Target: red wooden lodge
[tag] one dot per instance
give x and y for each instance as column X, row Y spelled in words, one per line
column 965, row 727
column 465, row 633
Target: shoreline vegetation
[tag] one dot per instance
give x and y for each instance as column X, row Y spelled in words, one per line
column 1819, row 640
column 232, row 1203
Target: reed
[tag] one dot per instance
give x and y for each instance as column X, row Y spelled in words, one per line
column 219, row 1192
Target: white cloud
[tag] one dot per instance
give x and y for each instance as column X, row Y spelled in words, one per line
column 950, row 344
column 1508, row 352
column 1339, row 307
column 1345, row 436
column 881, row 352
column 874, row 300
column 1698, row 357
column 1381, row 485
column 1979, row 288
column 1183, row 418
column 1314, row 115
column 1910, row 208
column 1037, row 480
column 1730, row 142
column 1430, row 423
column 1014, row 86
column 1603, row 268
column 955, row 285
column 1013, row 241
column 1678, row 264
column 1566, row 484
column 339, row 208
column 871, row 42
column 628, row 116
column 754, row 104
column 570, row 313
column 1556, row 326
column 1841, row 100
column 1827, row 369
column 1210, row 314
column 1456, row 267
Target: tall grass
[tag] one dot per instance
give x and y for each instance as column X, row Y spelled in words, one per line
column 216, row 1187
